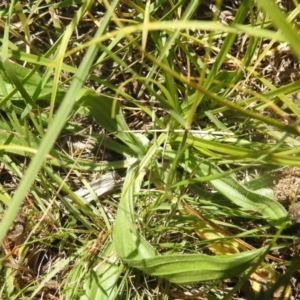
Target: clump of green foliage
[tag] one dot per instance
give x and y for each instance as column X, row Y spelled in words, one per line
column 181, row 111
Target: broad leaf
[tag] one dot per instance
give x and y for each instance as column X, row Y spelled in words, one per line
column 197, row 267
column 270, row 209
column 133, row 248
column 101, row 283
column 103, row 110
column 129, row 243
column 31, row 84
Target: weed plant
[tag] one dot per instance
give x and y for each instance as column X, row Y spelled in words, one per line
column 187, row 103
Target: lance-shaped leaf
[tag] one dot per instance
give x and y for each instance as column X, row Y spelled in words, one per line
column 108, row 114
column 197, row 267
column 270, row 209
column 133, row 248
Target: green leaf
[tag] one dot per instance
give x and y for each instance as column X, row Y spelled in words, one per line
column 129, row 243
column 197, row 267
column 53, row 130
column 30, row 83
column 101, row 283
column 133, row 248
column 280, row 20
column 270, row 209
column 10, row 137
column 103, row 110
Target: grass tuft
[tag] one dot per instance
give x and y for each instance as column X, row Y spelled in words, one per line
column 149, row 150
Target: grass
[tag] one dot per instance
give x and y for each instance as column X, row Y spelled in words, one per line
column 192, row 121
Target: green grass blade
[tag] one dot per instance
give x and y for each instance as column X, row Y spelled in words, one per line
column 52, row 133
column 280, row 21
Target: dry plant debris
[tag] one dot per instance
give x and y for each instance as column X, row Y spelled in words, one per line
column 287, row 190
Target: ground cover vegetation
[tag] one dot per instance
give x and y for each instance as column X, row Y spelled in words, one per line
column 149, row 149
